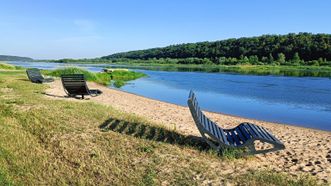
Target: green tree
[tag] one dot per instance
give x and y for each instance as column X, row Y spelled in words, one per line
column 254, row 60
column 296, row 59
column 271, row 59
column 281, row 59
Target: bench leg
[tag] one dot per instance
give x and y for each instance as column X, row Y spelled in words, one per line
column 82, row 96
column 210, row 143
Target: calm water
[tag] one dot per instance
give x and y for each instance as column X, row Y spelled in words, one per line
column 301, row 101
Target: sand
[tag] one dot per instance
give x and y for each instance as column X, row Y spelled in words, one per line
column 307, row 150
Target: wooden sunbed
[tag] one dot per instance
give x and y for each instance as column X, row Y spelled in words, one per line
column 35, row 76
column 244, row 135
column 75, row 84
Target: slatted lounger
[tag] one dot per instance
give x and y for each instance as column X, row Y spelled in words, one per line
column 243, row 135
column 75, row 84
column 35, row 76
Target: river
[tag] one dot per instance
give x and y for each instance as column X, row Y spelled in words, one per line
column 301, row 101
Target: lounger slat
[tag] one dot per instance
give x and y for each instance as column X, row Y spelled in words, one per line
column 217, row 134
column 244, row 131
column 221, row 132
column 203, row 121
column 269, row 134
column 200, row 117
column 254, row 131
column 241, row 137
column 206, row 123
column 257, row 130
column 261, row 133
column 272, row 136
column 229, row 138
column 249, row 130
column 264, row 133
column 235, row 137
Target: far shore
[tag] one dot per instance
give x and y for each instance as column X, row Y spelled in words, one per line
column 246, row 69
column 307, row 150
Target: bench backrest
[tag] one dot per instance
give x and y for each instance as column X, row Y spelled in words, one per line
column 34, row 75
column 75, row 84
column 204, row 124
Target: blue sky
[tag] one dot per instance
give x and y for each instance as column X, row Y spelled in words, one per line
column 52, row 29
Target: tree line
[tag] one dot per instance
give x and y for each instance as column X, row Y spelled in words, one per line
column 290, row 49
column 14, row 58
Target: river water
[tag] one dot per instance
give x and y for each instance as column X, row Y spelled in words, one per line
column 301, row 101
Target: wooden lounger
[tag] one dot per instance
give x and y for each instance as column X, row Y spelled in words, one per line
column 35, row 76
column 75, row 84
column 241, row 136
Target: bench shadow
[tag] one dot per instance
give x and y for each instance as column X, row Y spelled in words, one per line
column 20, row 79
column 56, row 96
column 153, row 133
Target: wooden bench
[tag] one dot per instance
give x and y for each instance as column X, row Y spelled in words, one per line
column 241, row 136
column 75, row 84
column 35, row 76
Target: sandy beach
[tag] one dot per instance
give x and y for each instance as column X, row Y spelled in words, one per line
column 307, row 150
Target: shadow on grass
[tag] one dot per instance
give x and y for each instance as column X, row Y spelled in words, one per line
column 154, row 133
column 26, row 80
column 66, row 96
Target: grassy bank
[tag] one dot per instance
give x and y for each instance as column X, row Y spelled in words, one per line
column 5, row 66
column 58, row 142
column 296, row 71
column 279, row 70
column 118, row 78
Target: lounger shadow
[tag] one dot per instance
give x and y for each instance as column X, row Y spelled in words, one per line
column 244, row 135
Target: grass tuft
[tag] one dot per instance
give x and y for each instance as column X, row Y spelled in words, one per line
column 267, row 178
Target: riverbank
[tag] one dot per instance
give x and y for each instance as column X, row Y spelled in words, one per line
column 49, row 139
column 277, row 70
column 307, row 150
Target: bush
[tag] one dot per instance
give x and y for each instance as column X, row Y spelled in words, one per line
column 120, row 77
column 101, row 78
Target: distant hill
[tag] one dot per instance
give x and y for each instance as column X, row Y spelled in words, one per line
column 14, row 58
column 262, row 49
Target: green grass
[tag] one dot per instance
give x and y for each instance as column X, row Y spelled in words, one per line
column 126, row 75
column 121, row 77
column 59, row 142
column 118, row 78
column 5, row 66
column 296, row 71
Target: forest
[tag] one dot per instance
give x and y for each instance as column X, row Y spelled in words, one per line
column 291, row 49
column 14, row 58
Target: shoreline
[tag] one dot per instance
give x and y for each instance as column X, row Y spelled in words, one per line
column 258, row 70
column 307, row 150
column 225, row 114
